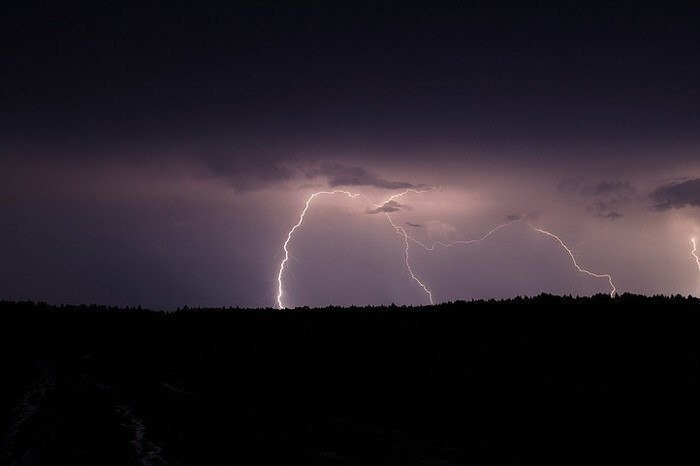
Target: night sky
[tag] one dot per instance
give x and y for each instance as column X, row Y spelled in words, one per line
column 158, row 154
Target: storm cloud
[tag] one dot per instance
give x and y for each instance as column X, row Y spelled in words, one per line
column 677, row 195
column 343, row 175
column 168, row 167
column 388, row 207
column 618, row 188
column 604, row 198
column 612, row 215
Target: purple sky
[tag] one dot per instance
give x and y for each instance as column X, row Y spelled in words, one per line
column 160, row 157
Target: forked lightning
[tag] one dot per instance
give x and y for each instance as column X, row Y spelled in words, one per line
column 408, row 239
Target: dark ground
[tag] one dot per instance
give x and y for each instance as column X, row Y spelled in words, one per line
column 545, row 380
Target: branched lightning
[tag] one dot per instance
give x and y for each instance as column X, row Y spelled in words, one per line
column 280, row 289
column 402, row 232
column 466, row 242
column 573, row 259
column 408, row 239
column 432, row 246
column 404, row 192
column 694, row 252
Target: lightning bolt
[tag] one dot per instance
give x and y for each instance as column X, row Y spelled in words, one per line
column 494, row 230
column 404, row 192
column 466, row 242
column 694, row 253
column 280, row 289
column 573, row 259
column 402, row 231
column 406, row 237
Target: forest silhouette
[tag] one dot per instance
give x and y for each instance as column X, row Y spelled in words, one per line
column 547, row 379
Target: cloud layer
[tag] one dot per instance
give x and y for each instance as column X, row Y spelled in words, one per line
column 343, row 175
column 388, row 207
column 677, row 195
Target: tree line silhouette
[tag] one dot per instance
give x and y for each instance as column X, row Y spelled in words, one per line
column 557, row 379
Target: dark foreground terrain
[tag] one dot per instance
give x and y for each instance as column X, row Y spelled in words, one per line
column 589, row 380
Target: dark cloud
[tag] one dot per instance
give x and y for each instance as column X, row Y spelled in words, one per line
column 677, row 195
column 244, row 168
column 247, row 176
column 617, row 189
column 605, row 209
column 603, row 198
column 620, row 188
column 604, row 206
column 612, row 215
column 414, row 225
column 343, row 175
column 569, row 185
column 259, row 177
column 513, row 217
column 388, row 207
